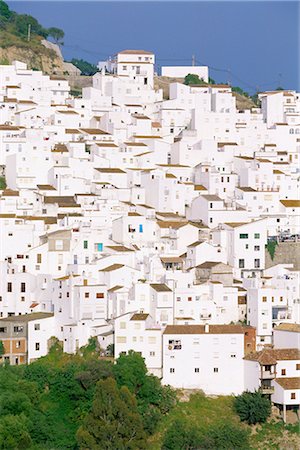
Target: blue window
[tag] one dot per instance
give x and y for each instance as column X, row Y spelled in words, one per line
column 140, row 228
column 100, row 247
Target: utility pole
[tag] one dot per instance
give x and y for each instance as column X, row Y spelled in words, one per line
column 28, row 32
column 229, row 77
column 193, row 60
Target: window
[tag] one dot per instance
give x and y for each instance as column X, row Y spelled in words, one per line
column 241, row 263
column 3, row 329
column 23, row 287
column 39, row 258
column 256, row 235
column 9, row 287
column 297, row 366
column 18, row 344
column 256, row 248
column 178, row 299
column 283, row 372
column 121, row 339
column 140, row 228
column 172, row 370
column 99, row 295
column 243, row 236
column 190, row 299
column 37, row 346
column 85, row 244
column 257, row 263
column 216, row 370
column 122, row 325
column 152, row 353
column 293, row 395
column 59, row 244
column 18, row 329
column 37, row 326
column 86, row 295
column 100, row 247
column 264, row 299
column 233, row 355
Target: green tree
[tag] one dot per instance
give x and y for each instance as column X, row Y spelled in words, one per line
column 4, row 10
column 85, row 67
column 252, row 407
column 13, row 433
column 57, row 34
column 192, row 78
column 228, row 436
column 130, row 370
column 2, row 349
column 182, row 435
column 114, row 422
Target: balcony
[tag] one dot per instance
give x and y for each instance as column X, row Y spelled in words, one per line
column 267, row 375
column 267, row 390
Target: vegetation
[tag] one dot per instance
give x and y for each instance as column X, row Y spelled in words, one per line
column 192, row 78
column 18, row 24
column 252, row 407
column 67, row 401
column 85, row 67
column 2, row 351
column 2, row 183
column 271, row 247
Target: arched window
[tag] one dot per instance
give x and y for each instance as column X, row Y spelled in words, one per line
column 292, row 131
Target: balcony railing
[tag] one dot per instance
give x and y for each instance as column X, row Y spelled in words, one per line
column 267, row 390
column 267, row 374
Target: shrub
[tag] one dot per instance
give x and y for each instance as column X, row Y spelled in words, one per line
column 252, row 407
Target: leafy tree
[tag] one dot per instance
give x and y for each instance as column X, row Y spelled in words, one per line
column 252, row 407
column 2, row 349
column 85, row 67
column 211, row 80
column 4, row 10
column 279, row 88
column 181, row 435
column 13, row 433
column 21, row 22
column 94, row 371
column 184, row 435
column 192, row 78
column 57, row 34
column 228, row 436
column 114, row 422
column 14, row 403
column 153, row 399
column 130, row 370
column 271, row 247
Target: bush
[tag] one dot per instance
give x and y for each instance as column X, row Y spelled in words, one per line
column 252, row 407
column 192, row 78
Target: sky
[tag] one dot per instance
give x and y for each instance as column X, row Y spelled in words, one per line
column 254, row 45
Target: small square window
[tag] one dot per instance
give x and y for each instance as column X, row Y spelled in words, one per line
column 216, row 370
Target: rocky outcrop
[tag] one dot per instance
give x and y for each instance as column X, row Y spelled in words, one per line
column 42, row 59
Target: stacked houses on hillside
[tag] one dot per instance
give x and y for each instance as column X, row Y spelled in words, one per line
column 147, row 223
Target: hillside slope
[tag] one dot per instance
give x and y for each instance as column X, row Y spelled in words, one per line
column 21, row 39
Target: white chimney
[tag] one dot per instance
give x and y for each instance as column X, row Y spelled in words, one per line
column 206, row 328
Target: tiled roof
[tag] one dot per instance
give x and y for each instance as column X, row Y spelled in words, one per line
column 200, row 329
column 289, row 383
column 139, row 316
column 294, row 327
column 271, row 356
column 160, row 287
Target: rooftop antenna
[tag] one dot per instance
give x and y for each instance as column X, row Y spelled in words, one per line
column 193, row 60
column 28, row 32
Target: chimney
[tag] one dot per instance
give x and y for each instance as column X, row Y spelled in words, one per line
column 206, row 328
